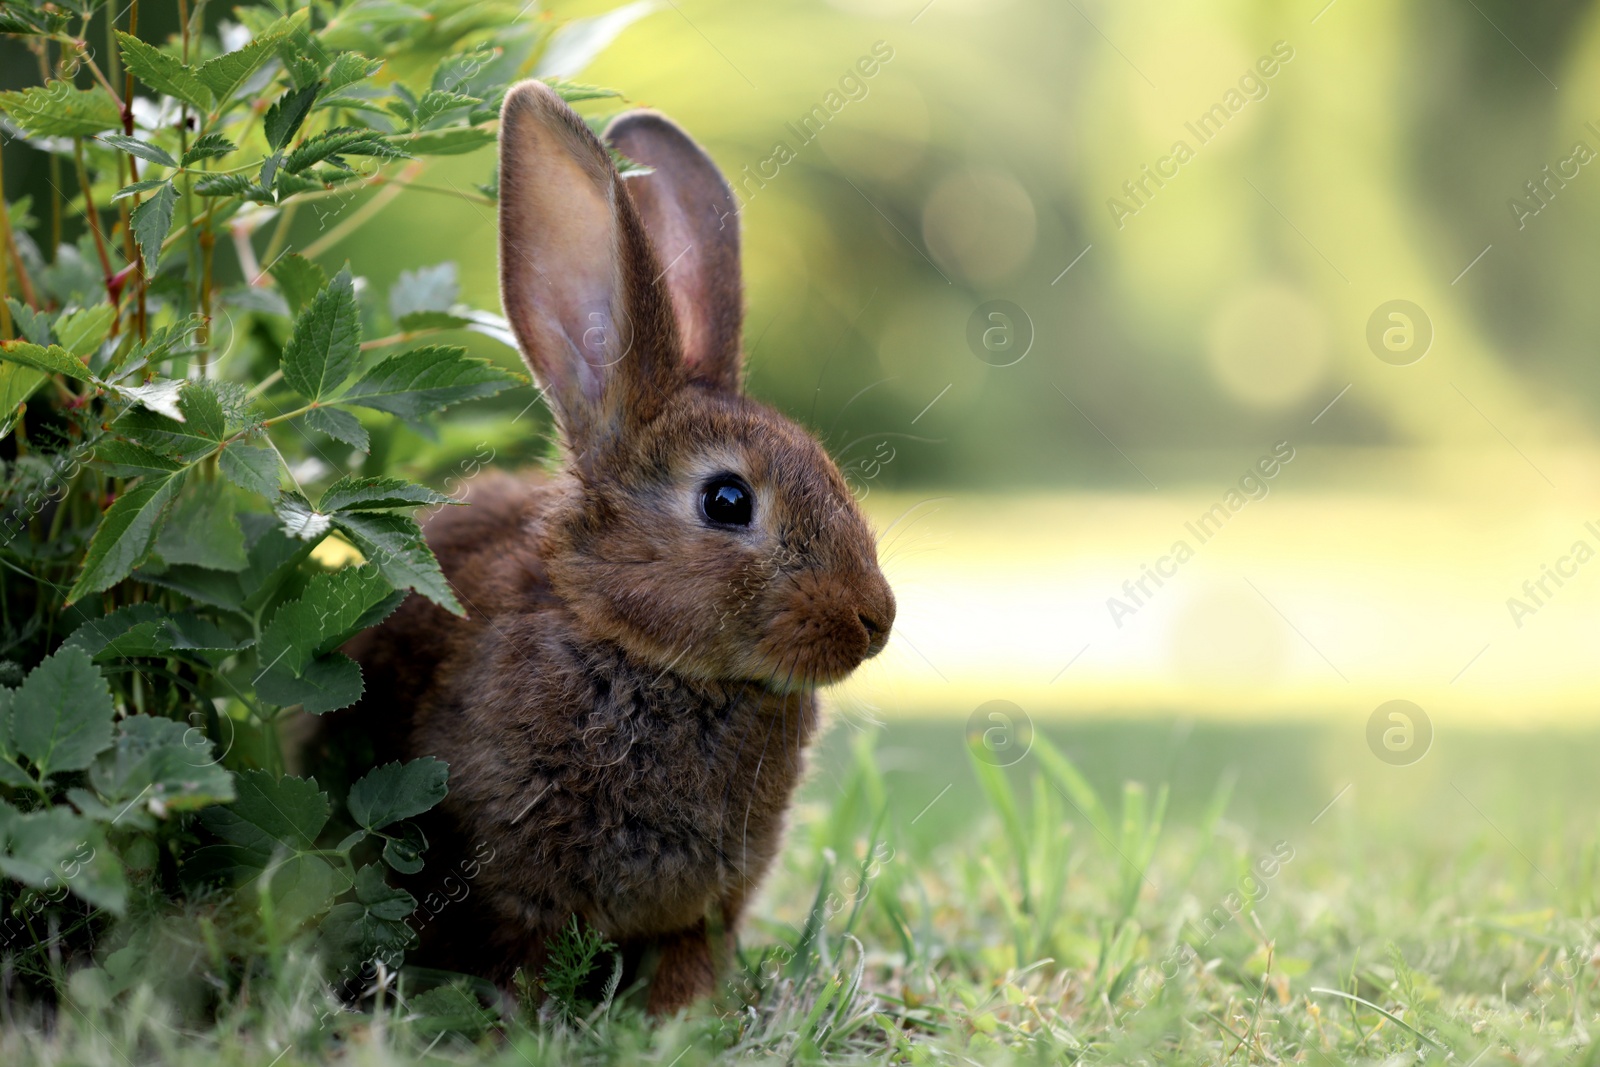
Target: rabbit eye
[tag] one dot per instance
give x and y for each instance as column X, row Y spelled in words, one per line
column 727, row 501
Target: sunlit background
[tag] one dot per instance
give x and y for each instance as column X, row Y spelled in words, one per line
column 1057, row 281
column 1313, row 162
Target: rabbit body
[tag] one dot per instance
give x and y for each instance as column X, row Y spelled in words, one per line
column 626, row 703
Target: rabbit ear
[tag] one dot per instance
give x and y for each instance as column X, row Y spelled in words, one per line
column 693, row 222
column 578, row 280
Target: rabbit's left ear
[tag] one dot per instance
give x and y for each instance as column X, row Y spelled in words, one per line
column 692, row 219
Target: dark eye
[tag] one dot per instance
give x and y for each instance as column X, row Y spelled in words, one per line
column 727, row 501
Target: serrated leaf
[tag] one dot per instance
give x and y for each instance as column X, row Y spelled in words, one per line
column 302, row 887
column 33, row 325
column 211, row 146
column 340, row 142
column 398, row 791
column 58, row 109
column 326, row 343
column 125, row 533
column 300, row 520
column 14, row 18
column 143, row 149
column 162, row 764
column 452, row 142
column 55, row 847
column 394, row 544
column 298, row 278
column 334, row 607
column 163, row 72
column 380, row 898
column 152, row 221
column 283, row 119
column 329, row 683
column 413, row 321
column 255, row 470
column 51, row 360
column 61, row 715
column 241, row 185
column 427, row 380
column 339, row 425
column 354, row 493
column 98, row 634
column 128, row 460
column 17, row 384
column 137, row 187
column 204, row 531
column 269, row 812
column 224, row 74
column 349, row 68
column 83, row 332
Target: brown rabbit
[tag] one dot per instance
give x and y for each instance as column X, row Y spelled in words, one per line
column 626, row 706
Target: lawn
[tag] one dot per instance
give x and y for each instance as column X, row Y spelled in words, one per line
column 1154, row 890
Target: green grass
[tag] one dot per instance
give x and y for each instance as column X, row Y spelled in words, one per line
column 934, row 909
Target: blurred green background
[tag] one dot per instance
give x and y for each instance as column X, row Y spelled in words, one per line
column 1196, row 220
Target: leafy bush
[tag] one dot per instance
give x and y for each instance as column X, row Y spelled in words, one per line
column 197, row 509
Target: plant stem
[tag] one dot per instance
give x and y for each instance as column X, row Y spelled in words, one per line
column 91, row 213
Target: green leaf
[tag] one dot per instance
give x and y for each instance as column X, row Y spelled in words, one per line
column 268, row 813
column 58, row 109
column 142, row 149
column 55, row 847
column 52, row 360
column 224, row 74
column 404, row 847
column 152, row 221
column 326, row 343
column 298, row 278
column 83, row 332
column 163, row 765
column 17, row 384
column 284, row 118
column 125, row 533
column 394, row 544
column 33, row 325
column 452, row 142
column 335, row 606
column 329, row 683
column 241, row 185
column 432, row 320
column 339, row 425
column 398, row 791
column 136, row 188
column 211, row 146
column 128, row 460
column 302, row 887
column 61, row 715
column 204, row 531
column 349, row 68
column 254, row 470
column 353, row 493
column 340, row 142
column 14, row 18
column 198, row 434
column 426, row 380
column 98, row 634
column 162, row 72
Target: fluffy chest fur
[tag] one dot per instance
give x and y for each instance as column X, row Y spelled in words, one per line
column 627, row 796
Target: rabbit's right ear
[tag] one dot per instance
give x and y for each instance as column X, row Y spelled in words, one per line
column 578, row 279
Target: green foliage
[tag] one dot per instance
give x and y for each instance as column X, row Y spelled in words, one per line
column 186, row 536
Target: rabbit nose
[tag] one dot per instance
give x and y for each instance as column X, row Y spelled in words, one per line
column 877, row 620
